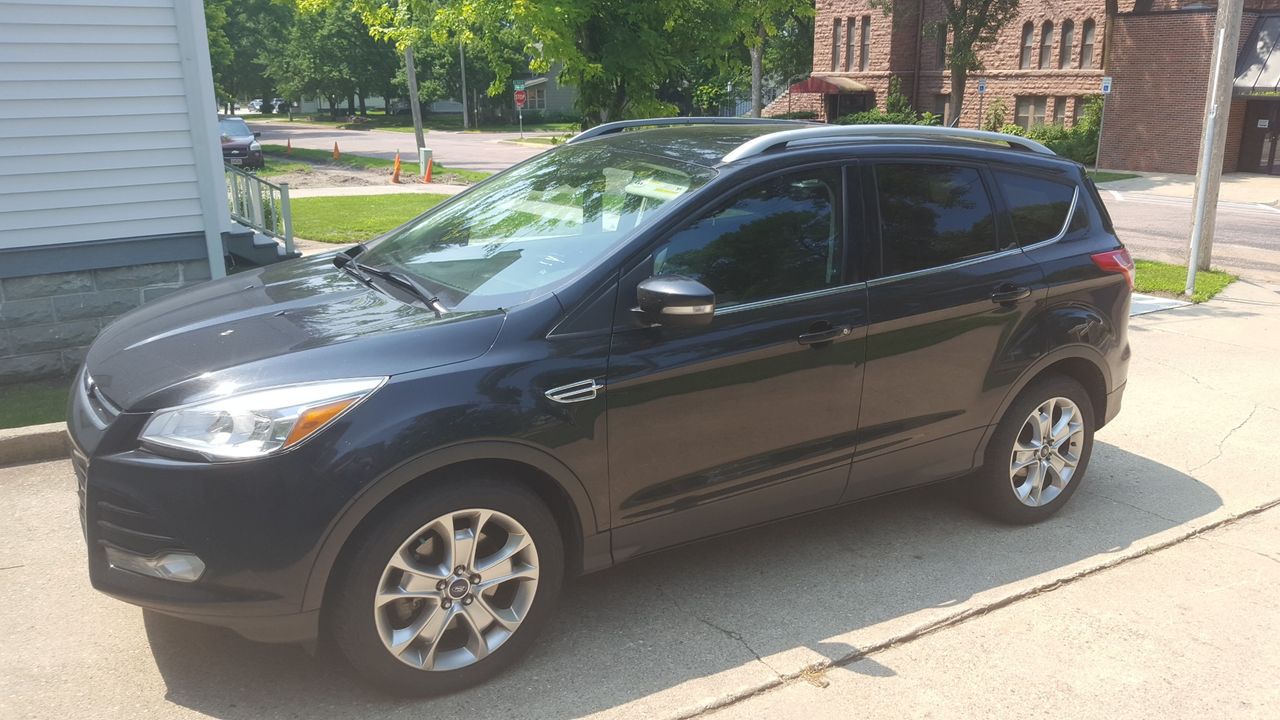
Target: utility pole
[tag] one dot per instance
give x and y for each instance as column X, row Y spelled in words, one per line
column 462, row 69
column 411, row 77
column 1226, row 36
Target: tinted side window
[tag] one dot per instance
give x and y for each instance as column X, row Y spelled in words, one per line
column 1038, row 207
column 932, row 215
column 780, row 237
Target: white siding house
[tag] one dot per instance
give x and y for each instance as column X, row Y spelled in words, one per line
column 111, row 181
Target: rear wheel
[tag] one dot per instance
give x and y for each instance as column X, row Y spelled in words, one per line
column 1038, row 455
column 450, row 588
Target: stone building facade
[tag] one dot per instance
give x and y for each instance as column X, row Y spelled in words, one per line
column 1046, row 61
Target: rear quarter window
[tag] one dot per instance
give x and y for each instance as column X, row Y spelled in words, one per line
column 1038, row 207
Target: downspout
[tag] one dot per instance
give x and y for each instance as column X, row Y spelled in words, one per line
column 915, row 75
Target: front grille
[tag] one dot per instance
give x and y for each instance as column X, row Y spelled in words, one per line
column 105, row 410
column 80, row 464
column 121, row 522
column 235, row 153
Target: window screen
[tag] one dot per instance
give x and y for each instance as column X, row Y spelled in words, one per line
column 1037, row 207
column 932, row 215
column 780, row 237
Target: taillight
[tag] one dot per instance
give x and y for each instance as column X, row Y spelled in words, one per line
column 1116, row 261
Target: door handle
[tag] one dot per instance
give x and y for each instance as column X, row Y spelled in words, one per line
column 1010, row 294
column 818, row 337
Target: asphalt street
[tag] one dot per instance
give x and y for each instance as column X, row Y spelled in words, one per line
column 736, row 619
column 1246, row 237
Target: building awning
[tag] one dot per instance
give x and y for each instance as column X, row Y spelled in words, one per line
column 1258, row 67
column 531, row 82
column 829, row 85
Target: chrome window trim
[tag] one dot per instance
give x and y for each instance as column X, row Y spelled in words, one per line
column 770, row 302
column 941, row 268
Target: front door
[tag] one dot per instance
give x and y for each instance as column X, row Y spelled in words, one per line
column 752, row 417
column 1261, row 139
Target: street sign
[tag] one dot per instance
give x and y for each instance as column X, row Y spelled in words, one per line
column 1106, row 86
column 520, row 97
column 982, row 86
column 519, row 84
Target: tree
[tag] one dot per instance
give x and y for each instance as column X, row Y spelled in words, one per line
column 220, row 53
column 256, row 30
column 753, row 22
column 972, row 24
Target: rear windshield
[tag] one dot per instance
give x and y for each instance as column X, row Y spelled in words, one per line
column 1038, row 206
column 522, row 232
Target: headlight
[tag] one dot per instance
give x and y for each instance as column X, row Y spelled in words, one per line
column 253, row 424
column 255, row 146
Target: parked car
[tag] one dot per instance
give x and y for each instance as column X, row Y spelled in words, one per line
column 652, row 334
column 240, row 146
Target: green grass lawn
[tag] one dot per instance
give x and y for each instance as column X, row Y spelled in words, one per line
column 1168, row 279
column 33, row 403
column 275, row 155
column 356, row 218
column 1104, row 176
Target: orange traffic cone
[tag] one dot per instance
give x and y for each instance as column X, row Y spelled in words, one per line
column 395, row 172
column 288, row 146
column 427, row 177
column 336, row 155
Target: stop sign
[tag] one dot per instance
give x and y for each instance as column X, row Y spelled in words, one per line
column 520, row 98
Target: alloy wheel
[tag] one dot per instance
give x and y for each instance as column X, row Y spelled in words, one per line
column 456, row 590
column 1046, row 452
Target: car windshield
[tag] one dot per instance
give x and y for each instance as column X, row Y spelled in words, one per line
column 233, row 127
column 522, row 232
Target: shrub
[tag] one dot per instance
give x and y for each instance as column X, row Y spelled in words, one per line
column 898, row 111
column 799, row 115
column 1079, row 142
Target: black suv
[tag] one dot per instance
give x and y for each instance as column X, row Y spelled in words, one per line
column 658, row 332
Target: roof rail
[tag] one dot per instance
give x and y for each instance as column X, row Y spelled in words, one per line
column 765, row 143
column 620, row 125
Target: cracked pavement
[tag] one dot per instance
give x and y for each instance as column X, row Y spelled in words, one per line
column 1144, row 596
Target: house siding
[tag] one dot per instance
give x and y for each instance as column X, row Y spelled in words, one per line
column 111, row 192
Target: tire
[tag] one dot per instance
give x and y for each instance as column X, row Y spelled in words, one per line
column 424, row 642
column 1010, row 496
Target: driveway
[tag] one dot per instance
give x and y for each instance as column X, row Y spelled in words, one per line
column 713, row 624
column 489, row 152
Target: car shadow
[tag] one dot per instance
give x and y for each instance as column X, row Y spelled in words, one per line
column 823, row 584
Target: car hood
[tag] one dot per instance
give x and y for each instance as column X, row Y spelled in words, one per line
column 292, row 322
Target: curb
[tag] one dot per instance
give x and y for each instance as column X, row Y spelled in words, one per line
column 34, row 443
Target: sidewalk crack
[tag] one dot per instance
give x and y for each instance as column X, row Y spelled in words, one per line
column 1259, row 553
column 1135, row 507
column 732, row 635
column 1224, row 439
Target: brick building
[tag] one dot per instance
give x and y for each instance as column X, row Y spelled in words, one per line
column 1048, row 60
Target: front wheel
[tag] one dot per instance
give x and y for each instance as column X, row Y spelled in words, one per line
column 449, row 588
column 1038, row 455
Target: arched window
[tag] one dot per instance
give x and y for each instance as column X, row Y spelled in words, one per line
column 835, row 44
column 1046, row 45
column 941, row 57
column 849, row 42
column 1086, row 45
column 1064, row 48
column 1028, row 38
column 864, row 53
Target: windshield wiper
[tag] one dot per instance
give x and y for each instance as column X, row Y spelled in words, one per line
column 402, row 280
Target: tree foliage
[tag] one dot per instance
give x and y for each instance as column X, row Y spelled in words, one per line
column 972, row 26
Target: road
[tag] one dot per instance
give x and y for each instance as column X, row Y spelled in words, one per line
column 1247, row 237
column 1045, row 616
column 487, row 151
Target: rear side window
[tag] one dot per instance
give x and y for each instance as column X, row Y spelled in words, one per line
column 1038, row 206
column 932, row 215
column 777, row 238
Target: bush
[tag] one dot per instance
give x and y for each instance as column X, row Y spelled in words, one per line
column 898, row 111
column 1079, row 142
column 800, row 115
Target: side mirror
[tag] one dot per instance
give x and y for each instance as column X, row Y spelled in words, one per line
column 675, row 301
column 257, row 134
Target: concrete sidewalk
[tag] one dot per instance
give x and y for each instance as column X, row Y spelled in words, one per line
column 1243, row 188
column 740, row 618
column 1188, row 632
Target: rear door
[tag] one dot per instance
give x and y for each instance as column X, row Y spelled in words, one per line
column 754, row 416
column 949, row 296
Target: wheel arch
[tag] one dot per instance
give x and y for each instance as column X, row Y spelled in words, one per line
column 1082, row 363
column 538, row 470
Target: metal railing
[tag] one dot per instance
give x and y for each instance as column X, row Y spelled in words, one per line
column 260, row 205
